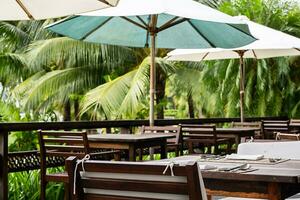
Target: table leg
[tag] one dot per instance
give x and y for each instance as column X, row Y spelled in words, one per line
column 243, row 139
column 274, row 191
column 237, row 140
column 163, row 149
column 190, row 147
column 132, row 153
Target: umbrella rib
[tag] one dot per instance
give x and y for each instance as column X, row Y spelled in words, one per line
column 135, row 23
column 141, row 20
column 25, row 9
column 147, row 33
column 199, row 32
column 204, row 56
column 94, row 29
column 254, row 54
column 106, row 2
column 241, row 30
column 170, row 24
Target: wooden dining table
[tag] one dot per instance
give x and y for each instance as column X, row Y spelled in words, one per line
column 130, row 142
column 274, row 181
column 238, row 133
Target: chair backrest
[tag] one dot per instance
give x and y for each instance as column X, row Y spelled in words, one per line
column 175, row 130
column 295, row 121
column 273, row 126
column 129, row 180
column 287, row 136
column 285, row 150
column 205, row 130
column 62, row 144
column 250, row 125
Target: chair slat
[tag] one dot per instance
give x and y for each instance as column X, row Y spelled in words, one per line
column 126, row 167
column 136, row 185
column 63, row 140
column 65, row 148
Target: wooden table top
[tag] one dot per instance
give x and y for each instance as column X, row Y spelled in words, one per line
column 237, row 129
column 128, row 137
column 285, row 172
column 231, row 129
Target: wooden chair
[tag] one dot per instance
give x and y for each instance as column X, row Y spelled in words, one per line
column 258, row 133
column 62, row 144
column 287, row 136
column 132, row 181
column 204, row 135
column 294, row 125
column 271, row 127
column 173, row 144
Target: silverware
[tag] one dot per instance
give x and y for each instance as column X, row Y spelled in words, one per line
column 243, row 167
column 229, row 169
column 248, row 170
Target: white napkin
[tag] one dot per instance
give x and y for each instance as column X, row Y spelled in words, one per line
column 206, row 167
column 235, row 156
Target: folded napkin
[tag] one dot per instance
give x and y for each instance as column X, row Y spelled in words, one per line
column 235, row 156
column 206, row 167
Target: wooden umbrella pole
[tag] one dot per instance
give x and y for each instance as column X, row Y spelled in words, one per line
column 152, row 80
column 152, row 30
column 242, row 84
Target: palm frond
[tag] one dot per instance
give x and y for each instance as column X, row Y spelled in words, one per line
column 109, row 96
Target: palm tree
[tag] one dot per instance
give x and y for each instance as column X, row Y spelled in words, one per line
column 271, row 87
column 124, row 97
column 29, row 52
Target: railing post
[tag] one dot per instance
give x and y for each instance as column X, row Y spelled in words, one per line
column 3, row 165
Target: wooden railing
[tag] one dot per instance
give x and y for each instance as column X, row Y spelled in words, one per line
column 6, row 158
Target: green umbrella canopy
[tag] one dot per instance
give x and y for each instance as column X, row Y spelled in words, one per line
column 163, row 23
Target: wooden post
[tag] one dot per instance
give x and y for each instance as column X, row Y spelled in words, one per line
column 242, row 84
column 3, row 165
column 152, row 68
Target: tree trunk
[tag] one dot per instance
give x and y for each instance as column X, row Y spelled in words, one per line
column 191, row 106
column 160, row 92
column 76, row 109
column 67, row 111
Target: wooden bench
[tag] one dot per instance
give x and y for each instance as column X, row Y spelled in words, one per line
column 136, row 181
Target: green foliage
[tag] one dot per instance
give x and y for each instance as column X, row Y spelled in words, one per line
column 271, row 86
column 123, row 97
column 26, row 186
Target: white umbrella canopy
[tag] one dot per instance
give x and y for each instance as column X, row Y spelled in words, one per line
column 11, row 10
column 270, row 43
column 181, row 8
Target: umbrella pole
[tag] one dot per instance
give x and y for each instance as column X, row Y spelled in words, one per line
column 242, row 84
column 152, row 80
